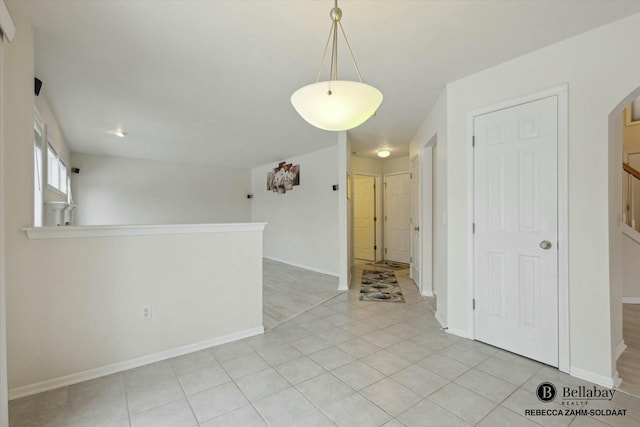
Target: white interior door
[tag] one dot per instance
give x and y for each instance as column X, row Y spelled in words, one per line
column 415, row 221
column 364, row 213
column 397, row 217
column 516, row 229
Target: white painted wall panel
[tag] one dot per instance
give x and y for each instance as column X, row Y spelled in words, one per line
column 302, row 224
column 595, row 89
column 110, row 190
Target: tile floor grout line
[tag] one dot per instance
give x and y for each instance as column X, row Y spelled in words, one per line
column 184, row 392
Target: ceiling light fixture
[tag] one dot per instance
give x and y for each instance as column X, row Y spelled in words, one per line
column 384, row 153
column 119, row 132
column 336, row 105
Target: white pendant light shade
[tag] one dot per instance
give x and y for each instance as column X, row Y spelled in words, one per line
column 337, row 104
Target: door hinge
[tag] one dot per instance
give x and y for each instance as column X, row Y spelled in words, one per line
column 411, row 259
column 474, row 304
column 375, row 247
column 385, row 217
column 375, row 218
column 385, row 250
column 410, row 175
column 473, row 228
column 385, row 185
column 473, row 141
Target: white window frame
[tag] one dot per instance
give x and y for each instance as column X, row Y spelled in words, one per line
column 57, row 167
column 39, row 166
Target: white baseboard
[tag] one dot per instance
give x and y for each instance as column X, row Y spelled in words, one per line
column 617, row 380
column 631, row 300
column 28, row 390
column 598, row 379
column 620, row 348
column 440, row 320
column 306, row 267
column 457, row 332
column 427, row 293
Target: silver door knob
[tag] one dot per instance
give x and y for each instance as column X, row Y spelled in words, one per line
column 545, row 244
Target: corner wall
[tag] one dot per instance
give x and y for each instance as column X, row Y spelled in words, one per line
column 302, row 224
column 600, row 73
column 433, row 128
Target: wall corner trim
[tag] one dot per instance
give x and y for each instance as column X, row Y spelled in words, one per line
column 71, row 232
column 592, row 377
column 631, row 233
column 91, row 374
column 7, row 25
column 620, row 348
column 457, row 332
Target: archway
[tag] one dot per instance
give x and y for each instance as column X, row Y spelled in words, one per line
column 624, row 242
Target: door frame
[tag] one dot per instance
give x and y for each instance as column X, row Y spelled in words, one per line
column 416, row 260
column 561, row 92
column 427, row 208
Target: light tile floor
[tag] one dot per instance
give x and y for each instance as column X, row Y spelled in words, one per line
column 345, row 362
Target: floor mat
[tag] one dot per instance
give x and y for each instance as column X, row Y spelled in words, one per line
column 390, row 264
column 380, row 285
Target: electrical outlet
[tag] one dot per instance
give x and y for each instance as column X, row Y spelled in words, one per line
column 146, row 312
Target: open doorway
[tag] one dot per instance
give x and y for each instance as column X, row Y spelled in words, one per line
column 628, row 363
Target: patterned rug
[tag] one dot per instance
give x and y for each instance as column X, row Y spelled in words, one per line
column 380, row 285
column 390, row 264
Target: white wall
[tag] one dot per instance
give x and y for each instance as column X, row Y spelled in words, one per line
column 369, row 166
column 73, row 305
column 110, row 190
column 366, row 165
column 631, row 268
column 600, row 73
column 302, row 224
column 4, row 396
column 434, row 129
column 80, row 309
column 396, row 165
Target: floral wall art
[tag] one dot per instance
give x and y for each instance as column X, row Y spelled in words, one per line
column 283, row 178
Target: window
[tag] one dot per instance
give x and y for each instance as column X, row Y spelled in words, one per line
column 37, row 172
column 57, row 176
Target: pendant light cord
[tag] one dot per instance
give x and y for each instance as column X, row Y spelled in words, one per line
column 333, row 38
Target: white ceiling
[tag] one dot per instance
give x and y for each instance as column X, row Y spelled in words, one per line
column 209, row 82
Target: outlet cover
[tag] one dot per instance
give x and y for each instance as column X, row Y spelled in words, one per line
column 146, row 312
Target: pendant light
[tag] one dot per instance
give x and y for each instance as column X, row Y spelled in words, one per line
column 334, row 104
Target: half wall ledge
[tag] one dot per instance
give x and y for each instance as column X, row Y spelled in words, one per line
column 73, row 232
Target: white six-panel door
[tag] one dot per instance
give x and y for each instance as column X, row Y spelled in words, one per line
column 397, row 213
column 364, row 212
column 516, row 229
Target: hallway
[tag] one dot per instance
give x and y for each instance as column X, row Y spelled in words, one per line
column 345, row 362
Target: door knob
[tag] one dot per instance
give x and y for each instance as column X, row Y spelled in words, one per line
column 545, row 244
column 416, row 228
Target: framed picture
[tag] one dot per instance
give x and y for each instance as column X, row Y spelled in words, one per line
column 283, row 178
column 632, row 113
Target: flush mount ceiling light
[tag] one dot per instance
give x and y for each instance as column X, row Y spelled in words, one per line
column 336, row 104
column 383, row 153
column 119, row 132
